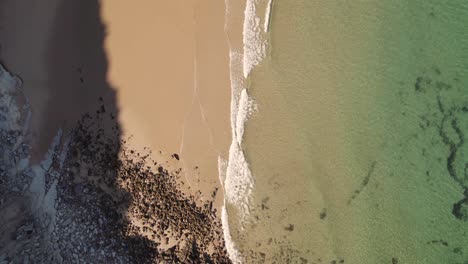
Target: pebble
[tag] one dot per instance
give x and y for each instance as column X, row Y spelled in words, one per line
column 87, row 215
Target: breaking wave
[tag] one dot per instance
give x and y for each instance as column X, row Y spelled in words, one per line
column 235, row 174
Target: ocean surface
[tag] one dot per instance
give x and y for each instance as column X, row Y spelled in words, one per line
column 348, row 132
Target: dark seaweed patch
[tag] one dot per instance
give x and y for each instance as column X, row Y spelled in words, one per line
column 323, row 213
column 364, row 183
column 289, row 228
column 438, row 242
column 418, row 86
column 446, row 117
column 458, row 250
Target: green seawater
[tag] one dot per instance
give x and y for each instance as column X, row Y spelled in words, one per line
column 359, row 147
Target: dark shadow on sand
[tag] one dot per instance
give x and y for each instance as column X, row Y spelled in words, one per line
column 78, row 67
column 80, row 95
column 99, row 179
column 83, row 102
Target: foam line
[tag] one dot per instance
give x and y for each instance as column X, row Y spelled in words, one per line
column 233, row 253
column 235, row 174
column 266, row 24
column 254, row 41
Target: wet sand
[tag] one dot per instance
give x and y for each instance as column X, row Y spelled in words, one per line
column 169, row 65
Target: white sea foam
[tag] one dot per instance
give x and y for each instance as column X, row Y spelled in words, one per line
column 237, row 84
column 254, row 41
column 266, row 24
column 238, row 182
column 231, row 248
column 235, row 174
column 222, row 165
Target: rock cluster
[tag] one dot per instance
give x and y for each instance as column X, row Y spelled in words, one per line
column 94, row 200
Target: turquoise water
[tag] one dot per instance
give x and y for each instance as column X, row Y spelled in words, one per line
column 357, row 148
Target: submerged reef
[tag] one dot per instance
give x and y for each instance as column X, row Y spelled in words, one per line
column 447, row 114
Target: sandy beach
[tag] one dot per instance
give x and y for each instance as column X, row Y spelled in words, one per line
column 107, row 83
column 169, row 66
column 163, row 68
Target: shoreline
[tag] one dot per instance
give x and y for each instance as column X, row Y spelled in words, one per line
column 93, row 193
column 248, row 45
column 76, row 74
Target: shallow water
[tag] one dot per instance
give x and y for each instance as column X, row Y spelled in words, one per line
column 357, row 148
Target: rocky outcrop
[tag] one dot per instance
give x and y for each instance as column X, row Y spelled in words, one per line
column 93, row 199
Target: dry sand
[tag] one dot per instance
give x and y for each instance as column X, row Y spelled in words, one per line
column 160, row 67
column 169, row 65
